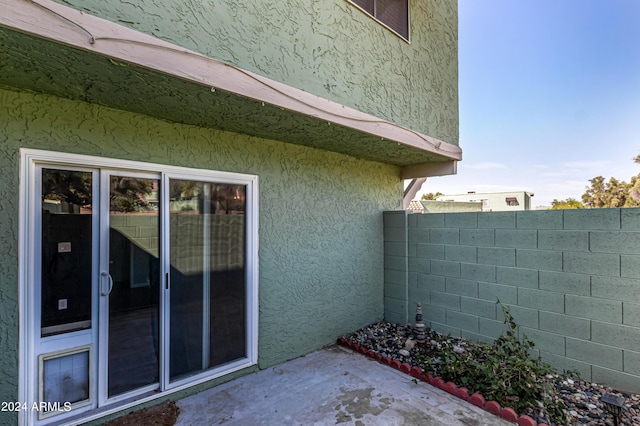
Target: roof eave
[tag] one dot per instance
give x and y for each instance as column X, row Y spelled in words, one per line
column 96, row 35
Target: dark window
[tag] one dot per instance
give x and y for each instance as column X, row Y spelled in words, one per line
column 512, row 201
column 392, row 13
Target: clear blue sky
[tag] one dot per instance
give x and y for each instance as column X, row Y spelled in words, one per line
column 549, row 96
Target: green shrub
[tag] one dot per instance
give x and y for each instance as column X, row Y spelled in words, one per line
column 503, row 371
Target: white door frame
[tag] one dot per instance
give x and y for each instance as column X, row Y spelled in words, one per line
column 29, row 320
column 104, row 300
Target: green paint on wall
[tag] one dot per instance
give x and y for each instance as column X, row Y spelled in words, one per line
column 329, row 48
column 320, row 213
column 66, row 72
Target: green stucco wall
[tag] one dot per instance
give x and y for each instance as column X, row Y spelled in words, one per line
column 328, row 48
column 320, row 217
column 571, row 279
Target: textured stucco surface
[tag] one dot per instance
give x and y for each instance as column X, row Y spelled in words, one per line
column 320, row 216
column 328, row 48
column 37, row 65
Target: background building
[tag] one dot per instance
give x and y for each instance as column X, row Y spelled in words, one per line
column 494, row 201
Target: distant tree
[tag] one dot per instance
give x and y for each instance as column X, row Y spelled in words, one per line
column 606, row 194
column 569, row 203
column 594, row 196
column 634, row 188
column 633, row 200
column 614, row 193
column 431, row 195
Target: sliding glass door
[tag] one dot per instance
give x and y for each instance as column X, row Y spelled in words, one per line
column 133, row 289
column 140, row 282
column 207, row 304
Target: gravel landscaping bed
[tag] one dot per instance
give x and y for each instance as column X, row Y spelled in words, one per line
column 575, row 401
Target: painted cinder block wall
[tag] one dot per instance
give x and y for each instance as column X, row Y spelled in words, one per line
column 321, row 252
column 571, row 279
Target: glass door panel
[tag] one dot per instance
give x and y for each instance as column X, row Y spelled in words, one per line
column 207, row 303
column 134, row 282
column 66, row 262
column 66, row 229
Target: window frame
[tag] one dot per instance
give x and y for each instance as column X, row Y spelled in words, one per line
column 386, row 25
column 512, row 201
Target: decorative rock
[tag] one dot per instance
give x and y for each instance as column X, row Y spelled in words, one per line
column 581, row 400
column 404, row 352
column 419, row 328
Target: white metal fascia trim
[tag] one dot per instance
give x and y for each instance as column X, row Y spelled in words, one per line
column 429, row 170
column 56, row 22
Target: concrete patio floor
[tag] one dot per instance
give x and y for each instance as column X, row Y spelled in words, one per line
column 327, row 387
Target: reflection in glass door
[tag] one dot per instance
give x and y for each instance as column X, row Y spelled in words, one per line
column 207, row 308
column 66, row 262
column 133, row 283
column 65, row 273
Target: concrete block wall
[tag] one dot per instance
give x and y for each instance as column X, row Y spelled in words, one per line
column 571, row 279
column 396, row 260
column 226, row 233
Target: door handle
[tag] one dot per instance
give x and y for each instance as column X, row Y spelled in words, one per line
column 109, row 282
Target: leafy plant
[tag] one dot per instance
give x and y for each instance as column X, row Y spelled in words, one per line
column 503, row 371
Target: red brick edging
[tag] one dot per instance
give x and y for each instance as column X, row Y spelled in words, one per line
column 463, row 393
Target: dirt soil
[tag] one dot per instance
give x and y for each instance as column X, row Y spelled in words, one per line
column 164, row 414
